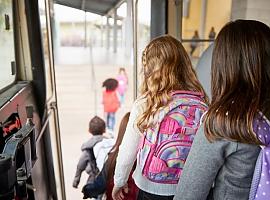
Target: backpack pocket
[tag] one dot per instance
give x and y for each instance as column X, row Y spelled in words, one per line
column 168, row 161
column 166, row 144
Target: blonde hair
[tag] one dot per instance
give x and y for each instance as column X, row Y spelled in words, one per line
column 166, row 68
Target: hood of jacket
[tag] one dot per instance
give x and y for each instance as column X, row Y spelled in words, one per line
column 91, row 142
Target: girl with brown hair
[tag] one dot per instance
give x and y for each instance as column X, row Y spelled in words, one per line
column 224, row 153
column 168, row 80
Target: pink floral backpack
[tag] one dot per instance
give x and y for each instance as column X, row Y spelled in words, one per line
column 165, row 146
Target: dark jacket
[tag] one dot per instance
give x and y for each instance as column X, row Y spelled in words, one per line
column 227, row 166
column 87, row 161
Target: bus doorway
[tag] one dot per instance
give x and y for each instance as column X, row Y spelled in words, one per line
column 83, row 60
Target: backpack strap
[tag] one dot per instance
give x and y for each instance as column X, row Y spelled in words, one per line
column 91, row 150
column 261, row 178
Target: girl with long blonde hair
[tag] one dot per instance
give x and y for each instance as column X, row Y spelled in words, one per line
column 168, row 74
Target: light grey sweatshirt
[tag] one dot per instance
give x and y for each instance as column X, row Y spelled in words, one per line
column 127, row 156
column 226, row 164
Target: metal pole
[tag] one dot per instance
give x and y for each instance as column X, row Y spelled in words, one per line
column 85, row 29
column 178, row 20
column 128, row 29
column 93, row 77
column 203, row 19
column 108, row 33
column 135, row 53
column 114, row 30
column 202, row 24
column 102, row 33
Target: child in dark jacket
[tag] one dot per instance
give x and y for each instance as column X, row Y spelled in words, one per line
column 87, row 160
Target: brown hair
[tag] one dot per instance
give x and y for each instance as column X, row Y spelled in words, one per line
column 114, row 152
column 97, row 126
column 166, row 67
column 122, row 69
column 240, row 81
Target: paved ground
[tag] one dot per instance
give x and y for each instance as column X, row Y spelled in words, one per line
column 76, row 100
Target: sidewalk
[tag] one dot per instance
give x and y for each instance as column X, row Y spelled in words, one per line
column 76, row 102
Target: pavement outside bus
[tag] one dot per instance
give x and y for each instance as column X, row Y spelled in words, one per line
column 77, row 102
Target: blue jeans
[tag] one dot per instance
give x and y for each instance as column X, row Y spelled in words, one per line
column 122, row 98
column 110, row 120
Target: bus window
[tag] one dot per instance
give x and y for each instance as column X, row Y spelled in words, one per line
column 201, row 22
column 7, row 55
column 205, row 17
column 197, row 22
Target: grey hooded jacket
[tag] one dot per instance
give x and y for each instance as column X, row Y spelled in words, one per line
column 87, row 160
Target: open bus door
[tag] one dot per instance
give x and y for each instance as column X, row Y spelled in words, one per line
column 51, row 121
column 29, row 129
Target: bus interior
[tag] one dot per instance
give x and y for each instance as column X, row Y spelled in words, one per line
column 55, row 54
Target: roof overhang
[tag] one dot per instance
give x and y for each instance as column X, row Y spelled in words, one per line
column 100, row 7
